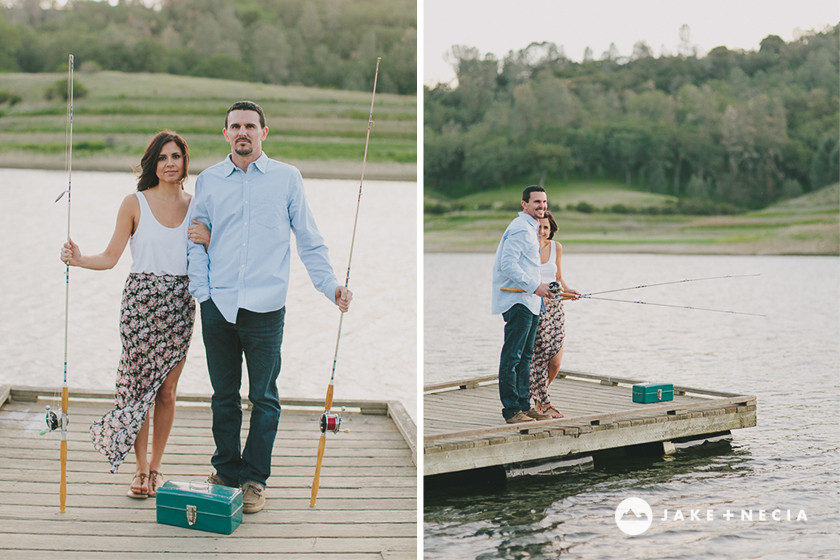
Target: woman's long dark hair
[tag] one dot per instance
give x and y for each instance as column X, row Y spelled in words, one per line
column 148, row 165
column 552, row 225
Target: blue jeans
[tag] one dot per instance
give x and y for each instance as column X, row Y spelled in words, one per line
column 258, row 336
column 514, row 365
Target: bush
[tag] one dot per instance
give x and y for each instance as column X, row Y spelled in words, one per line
column 698, row 207
column 438, row 207
column 435, row 208
column 584, row 207
column 11, row 98
column 58, row 90
column 89, row 146
column 791, row 189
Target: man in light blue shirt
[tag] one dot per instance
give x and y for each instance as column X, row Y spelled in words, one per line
column 252, row 205
column 517, row 295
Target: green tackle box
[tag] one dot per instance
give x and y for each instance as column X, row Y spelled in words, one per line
column 653, row 392
column 199, row 505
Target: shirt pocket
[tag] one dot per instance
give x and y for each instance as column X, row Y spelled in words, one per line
column 268, row 216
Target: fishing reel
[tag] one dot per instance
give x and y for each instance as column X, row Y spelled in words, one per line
column 331, row 422
column 53, row 421
column 557, row 292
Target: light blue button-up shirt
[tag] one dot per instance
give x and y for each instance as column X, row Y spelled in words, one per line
column 251, row 217
column 517, row 265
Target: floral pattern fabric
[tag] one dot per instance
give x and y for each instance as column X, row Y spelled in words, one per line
column 549, row 340
column 156, row 323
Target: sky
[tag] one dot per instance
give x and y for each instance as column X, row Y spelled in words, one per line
column 500, row 26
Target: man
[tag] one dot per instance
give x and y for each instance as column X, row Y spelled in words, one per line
column 517, row 295
column 251, row 204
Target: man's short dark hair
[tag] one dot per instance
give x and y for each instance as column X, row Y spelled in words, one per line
column 246, row 106
column 526, row 194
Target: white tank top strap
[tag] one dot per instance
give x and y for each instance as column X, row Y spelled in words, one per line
column 548, row 270
column 155, row 248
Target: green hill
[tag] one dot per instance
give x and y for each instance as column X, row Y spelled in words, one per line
column 321, row 131
column 808, row 225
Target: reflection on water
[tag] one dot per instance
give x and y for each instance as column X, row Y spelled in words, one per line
column 790, row 360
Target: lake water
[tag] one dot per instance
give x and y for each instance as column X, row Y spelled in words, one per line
column 789, row 359
column 378, row 350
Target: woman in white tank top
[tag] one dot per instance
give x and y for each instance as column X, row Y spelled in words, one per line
column 548, row 345
column 157, row 311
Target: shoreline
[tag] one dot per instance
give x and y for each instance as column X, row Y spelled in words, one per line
column 341, row 170
column 828, row 246
column 570, row 249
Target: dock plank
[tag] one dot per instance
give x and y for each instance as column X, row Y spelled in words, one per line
column 366, row 509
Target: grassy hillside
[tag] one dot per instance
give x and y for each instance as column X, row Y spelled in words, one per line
column 322, row 131
column 807, row 225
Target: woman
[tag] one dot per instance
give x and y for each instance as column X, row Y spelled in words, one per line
column 157, row 311
column 548, row 346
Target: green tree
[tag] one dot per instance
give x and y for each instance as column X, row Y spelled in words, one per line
column 270, row 54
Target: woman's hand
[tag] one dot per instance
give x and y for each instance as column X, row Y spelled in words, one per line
column 199, row 233
column 70, row 253
column 570, row 292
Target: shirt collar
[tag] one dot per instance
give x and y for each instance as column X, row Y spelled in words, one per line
column 532, row 221
column 260, row 164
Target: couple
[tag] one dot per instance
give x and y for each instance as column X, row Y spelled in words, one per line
column 527, row 261
column 251, row 204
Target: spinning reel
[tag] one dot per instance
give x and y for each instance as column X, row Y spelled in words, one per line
column 53, row 421
column 331, row 422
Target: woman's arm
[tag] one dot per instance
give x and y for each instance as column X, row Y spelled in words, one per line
column 127, row 218
column 563, row 284
column 199, row 233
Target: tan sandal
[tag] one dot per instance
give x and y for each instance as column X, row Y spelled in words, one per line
column 139, row 481
column 156, row 480
column 553, row 412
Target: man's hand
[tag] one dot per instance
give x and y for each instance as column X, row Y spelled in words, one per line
column 343, row 297
column 543, row 291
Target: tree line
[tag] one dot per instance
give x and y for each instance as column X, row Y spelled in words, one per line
column 742, row 127
column 318, row 43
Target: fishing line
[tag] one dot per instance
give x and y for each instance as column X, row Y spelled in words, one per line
column 586, row 296
column 667, row 283
column 592, row 295
column 329, row 420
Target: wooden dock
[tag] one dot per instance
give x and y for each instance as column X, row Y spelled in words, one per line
column 464, row 429
column 366, row 509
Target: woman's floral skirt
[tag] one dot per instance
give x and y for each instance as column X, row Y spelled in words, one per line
column 156, row 323
column 549, row 341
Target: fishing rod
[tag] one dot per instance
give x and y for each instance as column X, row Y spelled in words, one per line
column 53, row 422
column 331, row 421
